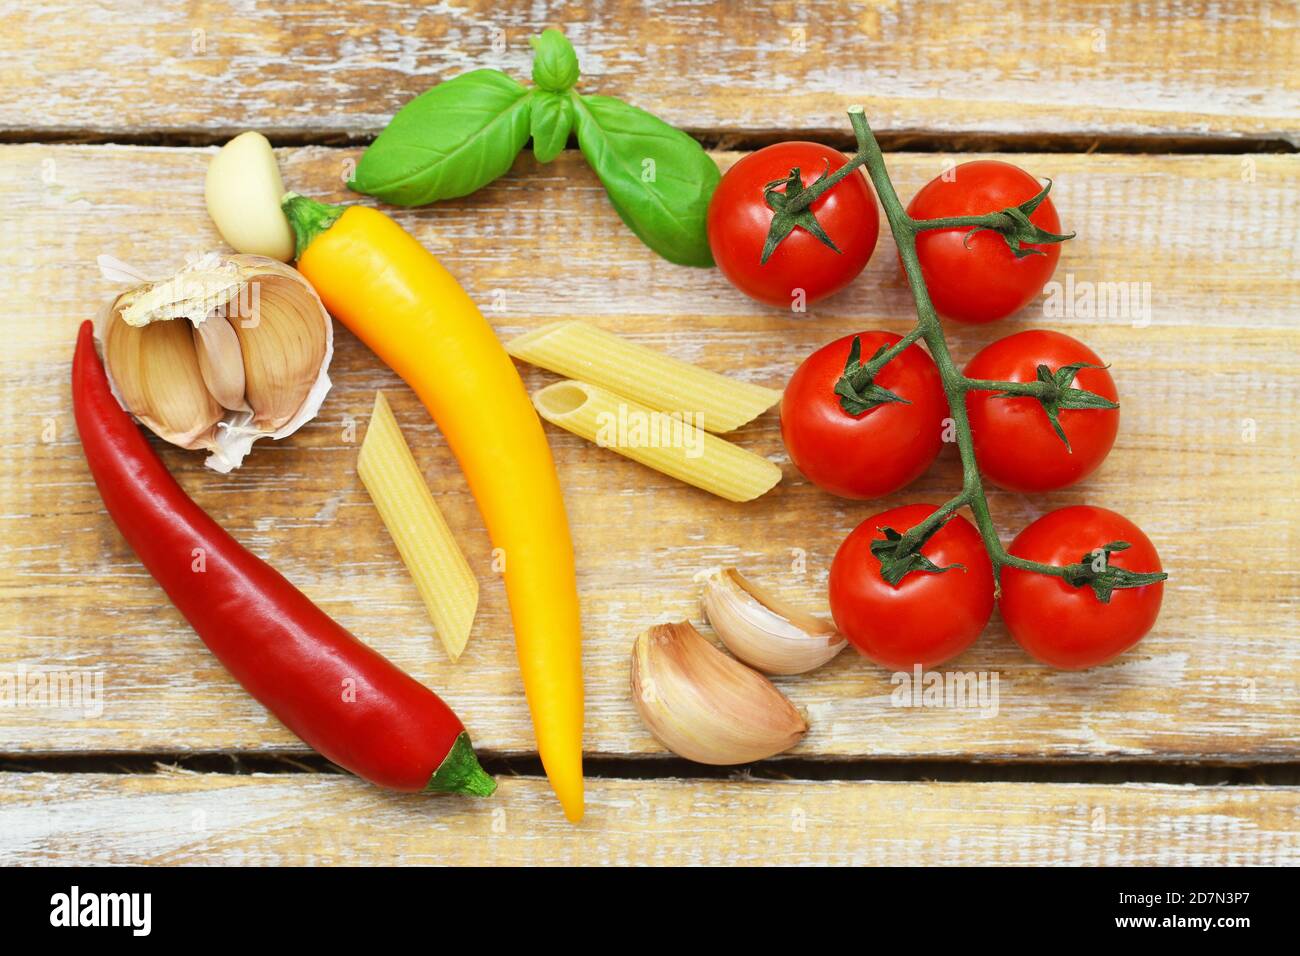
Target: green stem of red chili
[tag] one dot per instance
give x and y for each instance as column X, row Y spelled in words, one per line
column 929, row 329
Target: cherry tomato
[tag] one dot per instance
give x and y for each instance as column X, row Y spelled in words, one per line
column 1068, row 626
column 927, row 618
column 1014, row 441
column 739, row 217
column 978, row 278
column 879, row 450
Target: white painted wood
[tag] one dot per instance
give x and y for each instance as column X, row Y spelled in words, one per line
column 1177, row 67
column 1218, row 677
column 313, row 820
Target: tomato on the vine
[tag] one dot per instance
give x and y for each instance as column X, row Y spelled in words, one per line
column 976, row 277
column 928, row 617
column 874, row 452
column 739, row 219
column 1068, row 626
column 1015, row 443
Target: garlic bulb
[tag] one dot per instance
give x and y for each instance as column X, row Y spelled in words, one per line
column 761, row 630
column 705, row 706
column 228, row 350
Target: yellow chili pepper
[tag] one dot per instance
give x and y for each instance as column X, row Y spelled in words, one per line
column 376, row 279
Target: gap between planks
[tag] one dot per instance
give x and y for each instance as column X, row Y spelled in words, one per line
column 721, row 140
column 1201, row 771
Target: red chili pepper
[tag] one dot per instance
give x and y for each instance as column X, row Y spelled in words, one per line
column 344, row 699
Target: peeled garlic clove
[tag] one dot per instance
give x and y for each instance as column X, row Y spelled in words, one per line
column 221, row 361
column 157, row 372
column 283, row 345
column 705, row 706
column 243, row 190
column 761, row 630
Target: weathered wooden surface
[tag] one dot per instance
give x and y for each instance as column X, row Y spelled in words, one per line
column 1206, row 460
column 1205, row 463
column 1178, row 67
column 319, row 820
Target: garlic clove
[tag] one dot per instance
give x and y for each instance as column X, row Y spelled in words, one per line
column 705, row 706
column 157, row 373
column 221, row 361
column 173, row 385
column 243, row 190
column 122, row 358
column 237, row 433
column 283, row 345
column 763, row 631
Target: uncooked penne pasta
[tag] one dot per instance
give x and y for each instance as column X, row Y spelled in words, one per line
column 665, row 441
column 584, row 352
column 439, row 569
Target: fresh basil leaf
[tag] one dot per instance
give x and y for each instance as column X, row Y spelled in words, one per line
column 551, row 119
column 658, row 178
column 555, row 65
column 447, row 142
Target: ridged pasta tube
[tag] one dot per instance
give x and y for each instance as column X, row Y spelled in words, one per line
column 667, row 442
column 427, row 546
column 581, row 351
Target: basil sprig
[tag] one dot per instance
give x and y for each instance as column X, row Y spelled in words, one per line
column 552, row 121
column 657, row 177
column 460, row 135
column 447, row 142
column 555, row 65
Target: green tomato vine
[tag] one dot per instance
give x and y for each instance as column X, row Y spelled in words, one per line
column 900, row 552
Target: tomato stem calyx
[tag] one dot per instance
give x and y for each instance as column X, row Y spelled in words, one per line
column 1055, row 391
column 900, row 554
column 856, row 388
column 1094, row 570
column 1014, row 226
column 789, row 212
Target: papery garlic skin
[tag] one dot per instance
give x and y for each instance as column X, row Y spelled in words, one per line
column 211, row 282
column 764, row 632
column 243, row 190
column 705, row 706
column 289, row 392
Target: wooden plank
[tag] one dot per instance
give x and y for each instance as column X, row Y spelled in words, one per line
column 302, row 820
column 1205, row 463
column 1174, row 67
